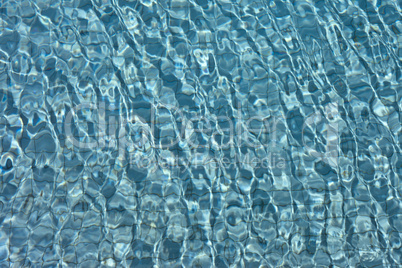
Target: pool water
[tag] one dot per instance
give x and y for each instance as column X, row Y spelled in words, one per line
column 194, row 133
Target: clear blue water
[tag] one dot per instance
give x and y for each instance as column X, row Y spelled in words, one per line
column 200, row 133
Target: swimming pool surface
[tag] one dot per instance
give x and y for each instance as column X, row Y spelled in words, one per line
column 195, row 133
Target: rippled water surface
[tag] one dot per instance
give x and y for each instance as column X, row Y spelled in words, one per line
column 200, row 133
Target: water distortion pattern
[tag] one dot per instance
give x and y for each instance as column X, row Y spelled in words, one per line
column 200, row 133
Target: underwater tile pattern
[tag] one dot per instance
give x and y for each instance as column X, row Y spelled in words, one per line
column 195, row 133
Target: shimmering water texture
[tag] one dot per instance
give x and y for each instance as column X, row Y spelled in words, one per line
column 200, row 133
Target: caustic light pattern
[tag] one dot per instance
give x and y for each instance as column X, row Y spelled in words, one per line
column 194, row 133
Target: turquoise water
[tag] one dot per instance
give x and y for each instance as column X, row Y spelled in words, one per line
column 200, row 133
